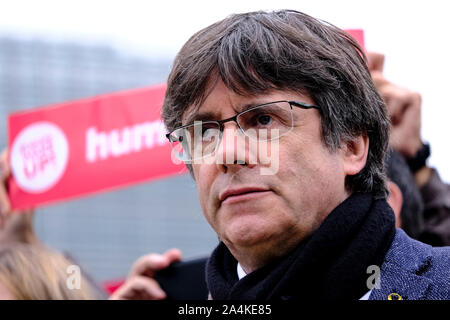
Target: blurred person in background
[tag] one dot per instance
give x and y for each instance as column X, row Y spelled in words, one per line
column 33, row 272
column 28, row 269
column 404, row 108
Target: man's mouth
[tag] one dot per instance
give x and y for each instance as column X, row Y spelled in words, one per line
column 241, row 194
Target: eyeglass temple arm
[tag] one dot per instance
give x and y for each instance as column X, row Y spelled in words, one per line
column 303, row 105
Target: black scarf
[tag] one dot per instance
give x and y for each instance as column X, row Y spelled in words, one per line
column 329, row 265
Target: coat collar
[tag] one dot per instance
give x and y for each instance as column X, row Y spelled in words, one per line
column 402, row 270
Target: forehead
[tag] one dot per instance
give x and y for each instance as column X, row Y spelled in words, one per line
column 217, row 96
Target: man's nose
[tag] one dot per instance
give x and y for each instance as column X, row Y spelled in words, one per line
column 233, row 148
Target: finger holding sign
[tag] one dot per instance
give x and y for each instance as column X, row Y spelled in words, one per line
column 375, row 61
column 405, row 135
column 139, row 288
column 405, row 112
column 392, row 95
column 140, row 283
column 404, row 108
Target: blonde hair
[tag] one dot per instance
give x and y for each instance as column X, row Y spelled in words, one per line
column 34, row 272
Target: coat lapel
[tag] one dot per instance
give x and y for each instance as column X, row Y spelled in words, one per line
column 406, row 284
column 402, row 270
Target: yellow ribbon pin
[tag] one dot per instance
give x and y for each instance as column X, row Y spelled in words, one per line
column 394, row 296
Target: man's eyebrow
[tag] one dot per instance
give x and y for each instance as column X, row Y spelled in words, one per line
column 249, row 106
column 200, row 116
column 206, row 115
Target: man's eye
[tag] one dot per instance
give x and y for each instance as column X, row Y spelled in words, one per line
column 264, row 120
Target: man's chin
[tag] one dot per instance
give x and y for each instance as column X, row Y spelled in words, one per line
column 246, row 234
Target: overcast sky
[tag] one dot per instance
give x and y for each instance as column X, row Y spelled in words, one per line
column 412, row 34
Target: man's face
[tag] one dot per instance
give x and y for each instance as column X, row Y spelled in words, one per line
column 268, row 214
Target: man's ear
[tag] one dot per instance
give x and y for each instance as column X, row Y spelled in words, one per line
column 354, row 154
column 395, row 200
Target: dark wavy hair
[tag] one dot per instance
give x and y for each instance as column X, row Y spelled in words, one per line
column 288, row 50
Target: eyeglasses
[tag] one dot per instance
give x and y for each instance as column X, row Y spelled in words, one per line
column 265, row 122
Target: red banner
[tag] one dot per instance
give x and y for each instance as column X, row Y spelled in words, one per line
column 358, row 35
column 77, row 148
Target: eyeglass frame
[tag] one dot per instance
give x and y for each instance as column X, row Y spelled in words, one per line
column 302, row 105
